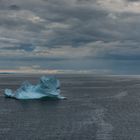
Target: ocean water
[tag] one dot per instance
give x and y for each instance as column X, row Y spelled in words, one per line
column 97, row 108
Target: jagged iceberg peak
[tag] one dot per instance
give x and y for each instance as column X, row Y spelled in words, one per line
column 47, row 87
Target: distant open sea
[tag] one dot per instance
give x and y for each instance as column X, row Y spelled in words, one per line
column 97, row 108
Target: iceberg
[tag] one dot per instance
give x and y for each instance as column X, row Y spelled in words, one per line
column 48, row 87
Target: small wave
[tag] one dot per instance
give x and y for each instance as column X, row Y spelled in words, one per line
column 121, row 95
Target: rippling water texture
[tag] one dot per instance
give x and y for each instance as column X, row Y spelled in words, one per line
column 97, row 108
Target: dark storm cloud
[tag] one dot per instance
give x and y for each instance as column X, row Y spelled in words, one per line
column 69, row 29
column 14, row 7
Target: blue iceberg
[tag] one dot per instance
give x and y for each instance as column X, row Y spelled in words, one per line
column 48, row 87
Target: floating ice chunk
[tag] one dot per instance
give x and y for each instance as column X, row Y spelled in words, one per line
column 47, row 87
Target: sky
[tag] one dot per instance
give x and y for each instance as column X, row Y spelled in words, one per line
column 89, row 36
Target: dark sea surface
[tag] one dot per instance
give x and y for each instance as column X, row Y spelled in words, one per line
column 97, row 108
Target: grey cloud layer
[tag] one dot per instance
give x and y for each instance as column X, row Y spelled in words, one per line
column 69, row 32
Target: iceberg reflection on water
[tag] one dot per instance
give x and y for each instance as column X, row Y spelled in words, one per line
column 48, row 87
